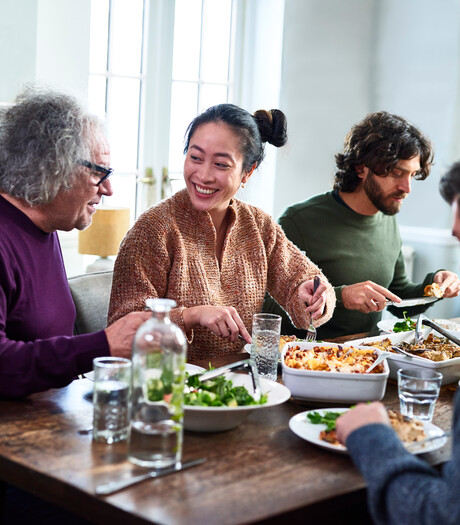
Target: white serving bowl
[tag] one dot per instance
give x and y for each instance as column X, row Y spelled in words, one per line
column 449, row 369
column 386, row 325
column 337, row 387
column 218, row 419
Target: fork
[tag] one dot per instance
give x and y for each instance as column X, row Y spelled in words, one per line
column 311, row 330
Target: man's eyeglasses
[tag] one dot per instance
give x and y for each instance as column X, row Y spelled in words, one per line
column 95, row 167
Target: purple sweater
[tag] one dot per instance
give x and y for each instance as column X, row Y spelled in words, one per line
column 37, row 314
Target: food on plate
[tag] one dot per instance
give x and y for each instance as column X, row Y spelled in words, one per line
column 408, row 430
column 404, row 326
column 344, row 359
column 286, row 339
column 433, row 290
column 327, row 418
column 434, row 348
column 217, row 392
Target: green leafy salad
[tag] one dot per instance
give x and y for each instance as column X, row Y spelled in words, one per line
column 218, row 392
column 404, row 326
column 327, row 418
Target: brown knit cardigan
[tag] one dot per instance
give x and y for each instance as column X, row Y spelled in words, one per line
column 171, row 252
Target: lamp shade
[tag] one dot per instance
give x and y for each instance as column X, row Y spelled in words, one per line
column 104, row 235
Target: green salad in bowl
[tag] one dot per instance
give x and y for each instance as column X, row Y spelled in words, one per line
column 226, row 401
column 218, row 392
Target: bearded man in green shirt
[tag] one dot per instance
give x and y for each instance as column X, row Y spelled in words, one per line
column 351, row 233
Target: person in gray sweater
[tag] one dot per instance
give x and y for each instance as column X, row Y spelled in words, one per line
column 401, row 487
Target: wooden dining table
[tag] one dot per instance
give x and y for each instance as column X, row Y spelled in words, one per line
column 259, row 472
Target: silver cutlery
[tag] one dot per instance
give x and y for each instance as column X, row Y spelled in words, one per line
column 115, row 486
column 403, row 352
column 438, row 328
column 416, row 444
column 418, row 336
column 245, row 364
column 311, row 330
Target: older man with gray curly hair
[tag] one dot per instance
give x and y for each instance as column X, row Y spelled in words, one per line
column 54, row 171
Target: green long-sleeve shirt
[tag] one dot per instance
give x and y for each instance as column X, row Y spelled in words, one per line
column 349, row 248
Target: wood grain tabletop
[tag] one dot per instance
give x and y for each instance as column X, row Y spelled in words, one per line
column 259, row 472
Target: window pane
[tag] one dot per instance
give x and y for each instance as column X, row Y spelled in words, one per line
column 183, row 111
column 99, row 36
column 124, row 192
column 96, row 95
column 123, row 112
column 177, row 184
column 187, row 27
column 126, row 37
column 216, row 40
column 212, row 94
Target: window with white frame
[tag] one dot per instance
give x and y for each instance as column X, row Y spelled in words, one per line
column 202, row 68
column 115, row 87
column 202, row 73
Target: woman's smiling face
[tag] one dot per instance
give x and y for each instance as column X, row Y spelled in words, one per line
column 213, row 168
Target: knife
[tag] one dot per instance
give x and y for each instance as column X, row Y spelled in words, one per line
column 405, row 303
column 115, row 486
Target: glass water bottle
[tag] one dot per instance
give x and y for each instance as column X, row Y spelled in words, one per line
column 159, row 356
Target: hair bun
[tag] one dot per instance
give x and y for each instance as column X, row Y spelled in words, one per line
column 272, row 126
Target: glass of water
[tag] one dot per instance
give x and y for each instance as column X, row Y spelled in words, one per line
column 266, row 330
column 111, row 398
column 418, row 391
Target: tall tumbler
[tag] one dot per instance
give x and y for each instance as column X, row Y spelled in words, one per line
column 112, row 384
column 266, row 330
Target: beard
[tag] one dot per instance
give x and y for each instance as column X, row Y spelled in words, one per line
column 383, row 203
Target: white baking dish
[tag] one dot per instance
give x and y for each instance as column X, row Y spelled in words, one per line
column 449, row 369
column 337, row 387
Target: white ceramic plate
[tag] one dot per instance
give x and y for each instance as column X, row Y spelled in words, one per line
column 302, row 427
column 387, row 325
column 191, row 369
column 405, row 303
column 218, row 419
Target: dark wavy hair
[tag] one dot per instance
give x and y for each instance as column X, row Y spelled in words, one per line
column 253, row 130
column 41, row 136
column 379, row 142
column 449, row 185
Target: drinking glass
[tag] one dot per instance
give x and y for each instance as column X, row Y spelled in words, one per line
column 418, row 391
column 266, row 330
column 111, row 398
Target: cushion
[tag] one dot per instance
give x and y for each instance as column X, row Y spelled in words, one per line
column 91, row 295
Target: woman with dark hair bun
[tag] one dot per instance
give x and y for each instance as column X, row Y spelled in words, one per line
column 213, row 254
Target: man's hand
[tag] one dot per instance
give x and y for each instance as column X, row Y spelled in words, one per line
column 361, row 415
column 315, row 301
column 367, row 297
column 448, row 282
column 223, row 321
column 120, row 334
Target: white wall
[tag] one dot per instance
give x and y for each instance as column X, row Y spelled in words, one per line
column 342, row 60
column 18, row 28
column 258, row 81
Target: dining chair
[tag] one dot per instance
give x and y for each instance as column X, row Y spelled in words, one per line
column 91, row 295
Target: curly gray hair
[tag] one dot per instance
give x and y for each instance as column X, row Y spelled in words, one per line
column 41, row 137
